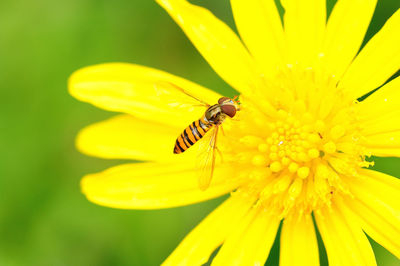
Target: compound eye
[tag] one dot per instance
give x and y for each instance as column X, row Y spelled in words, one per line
column 223, row 99
column 229, row 110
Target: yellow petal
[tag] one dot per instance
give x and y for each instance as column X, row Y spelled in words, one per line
column 345, row 242
column 218, row 44
column 304, row 22
column 345, row 32
column 375, row 184
column 376, row 206
column 154, row 185
column 143, row 92
column 384, row 144
column 377, row 61
column 380, row 121
column 375, row 221
column 383, row 101
column 387, row 123
column 128, row 137
column 251, row 240
column 260, row 27
column 298, row 242
column 198, row 245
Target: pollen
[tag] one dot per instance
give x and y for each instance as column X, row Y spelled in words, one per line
column 330, row 147
column 313, row 153
column 276, row 167
column 303, row 172
column 293, row 167
column 304, row 140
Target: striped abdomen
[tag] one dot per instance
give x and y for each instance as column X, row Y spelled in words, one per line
column 192, row 134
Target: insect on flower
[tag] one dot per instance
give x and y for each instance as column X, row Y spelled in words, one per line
column 211, row 120
column 300, row 155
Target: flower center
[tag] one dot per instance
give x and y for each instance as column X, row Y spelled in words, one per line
column 290, row 145
column 294, row 150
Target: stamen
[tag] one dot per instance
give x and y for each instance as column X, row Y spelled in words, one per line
column 295, row 188
column 303, row 172
column 260, row 160
column 329, row 147
column 313, row 153
column 275, row 166
column 293, row 167
column 337, row 131
column 299, row 149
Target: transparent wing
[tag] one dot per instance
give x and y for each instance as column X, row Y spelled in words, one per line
column 177, row 97
column 206, row 157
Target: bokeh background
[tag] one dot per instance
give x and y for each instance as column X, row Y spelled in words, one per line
column 44, row 219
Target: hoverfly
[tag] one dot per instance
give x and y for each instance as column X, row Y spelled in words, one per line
column 211, row 121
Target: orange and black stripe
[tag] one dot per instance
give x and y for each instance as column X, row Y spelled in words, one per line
column 192, row 134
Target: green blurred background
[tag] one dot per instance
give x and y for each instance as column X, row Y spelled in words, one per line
column 44, row 219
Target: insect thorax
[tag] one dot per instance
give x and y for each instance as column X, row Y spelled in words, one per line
column 215, row 115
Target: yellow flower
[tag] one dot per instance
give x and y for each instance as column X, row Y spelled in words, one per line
column 297, row 149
